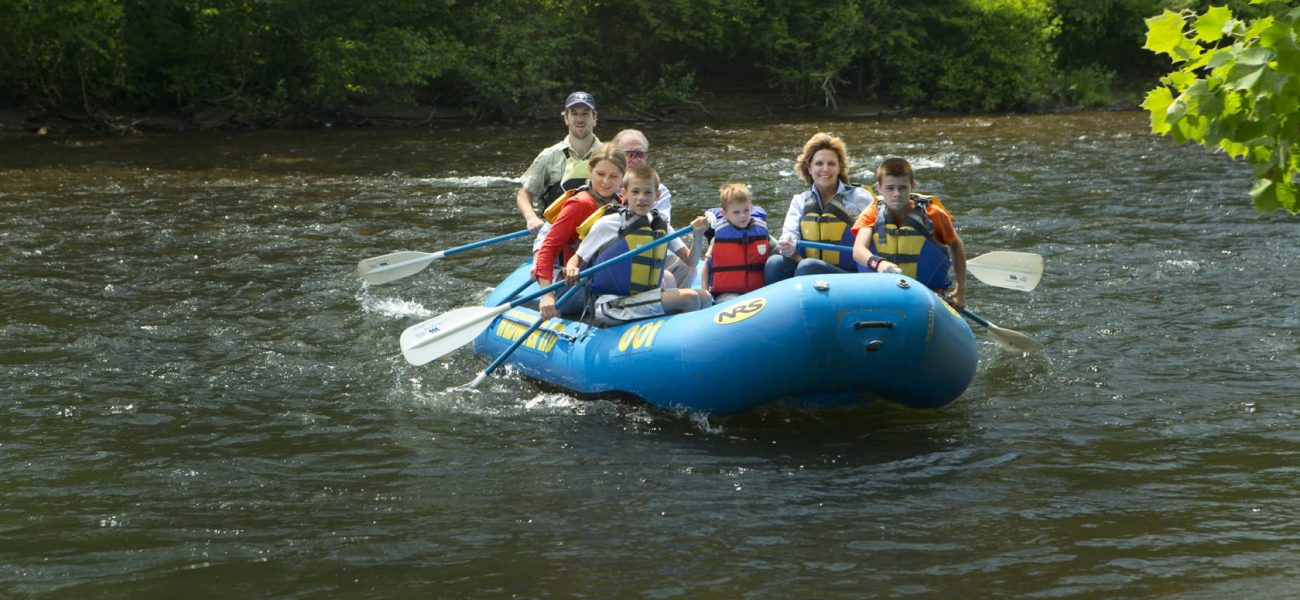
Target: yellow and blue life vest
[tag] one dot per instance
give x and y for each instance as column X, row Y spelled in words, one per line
column 645, row 270
column 829, row 223
column 911, row 245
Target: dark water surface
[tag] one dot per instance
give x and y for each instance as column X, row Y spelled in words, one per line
column 202, row 399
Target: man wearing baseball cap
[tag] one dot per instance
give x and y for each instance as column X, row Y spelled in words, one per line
column 562, row 166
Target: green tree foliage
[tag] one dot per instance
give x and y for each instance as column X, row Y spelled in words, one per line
column 510, row 58
column 1236, row 88
column 967, row 55
column 56, row 53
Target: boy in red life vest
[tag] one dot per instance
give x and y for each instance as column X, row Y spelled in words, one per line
column 740, row 245
column 909, row 233
column 631, row 290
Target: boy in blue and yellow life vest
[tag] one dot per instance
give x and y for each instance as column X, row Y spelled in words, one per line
column 909, row 233
column 740, row 247
column 631, row 291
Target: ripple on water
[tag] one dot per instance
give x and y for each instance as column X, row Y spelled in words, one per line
column 198, row 386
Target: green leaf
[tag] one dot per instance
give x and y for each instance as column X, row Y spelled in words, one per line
column 1265, row 195
column 1196, row 96
column 1244, row 78
column 1210, row 26
column 1182, row 80
column 1286, row 196
column 1191, row 127
column 1254, row 57
column 1157, row 103
column 1165, row 33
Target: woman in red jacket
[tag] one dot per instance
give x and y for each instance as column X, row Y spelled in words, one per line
column 606, row 169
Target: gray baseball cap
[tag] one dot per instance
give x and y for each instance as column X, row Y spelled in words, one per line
column 580, row 98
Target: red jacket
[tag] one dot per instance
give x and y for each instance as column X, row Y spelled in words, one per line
column 562, row 239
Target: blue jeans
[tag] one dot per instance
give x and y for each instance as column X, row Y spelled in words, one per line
column 779, row 267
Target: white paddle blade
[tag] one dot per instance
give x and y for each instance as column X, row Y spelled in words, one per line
column 1013, row 341
column 1004, row 268
column 439, row 336
column 391, row 267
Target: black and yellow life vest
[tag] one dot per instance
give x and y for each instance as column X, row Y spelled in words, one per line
column 911, row 245
column 645, row 270
column 830, row 223
column 552, row 212
column 573, row 173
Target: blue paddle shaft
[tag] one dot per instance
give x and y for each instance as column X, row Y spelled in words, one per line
column 824, row 246
column 626, row 256
column 487, row 242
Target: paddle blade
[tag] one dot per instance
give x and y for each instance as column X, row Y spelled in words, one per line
column 390, row 267
column 1013, row 341
column 444, row 333
column 1007, row 269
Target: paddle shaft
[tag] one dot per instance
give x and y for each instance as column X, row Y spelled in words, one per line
column 974, row 317
column 1008, row 339
column 588, row 272
column 825, row 246
column 487, row 242
column 459, row 249
column 380, row 270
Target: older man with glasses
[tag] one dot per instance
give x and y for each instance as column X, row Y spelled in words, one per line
column 636, row 149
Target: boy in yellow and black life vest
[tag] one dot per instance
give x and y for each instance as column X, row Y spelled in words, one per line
column 740, row 245
column 910, row 233
column 631, row 290
column 562, row 166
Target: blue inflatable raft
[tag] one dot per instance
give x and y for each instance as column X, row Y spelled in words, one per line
column 827, row 340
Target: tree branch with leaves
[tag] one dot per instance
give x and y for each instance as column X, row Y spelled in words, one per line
column 1236, row 88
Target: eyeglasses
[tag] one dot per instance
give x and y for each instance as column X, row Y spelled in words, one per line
column 635, row 153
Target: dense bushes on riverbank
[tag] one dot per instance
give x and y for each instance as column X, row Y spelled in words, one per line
column 264, row 61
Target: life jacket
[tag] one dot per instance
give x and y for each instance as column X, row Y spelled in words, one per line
column 645, row 270
column 736, row 261
column 829, row 224
column 912, row 245
column 571, row 245
column 573, row 174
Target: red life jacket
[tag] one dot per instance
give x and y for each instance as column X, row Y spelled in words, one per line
column 736, row 261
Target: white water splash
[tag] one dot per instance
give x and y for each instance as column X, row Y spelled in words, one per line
column 474, row 181
column 395, row 307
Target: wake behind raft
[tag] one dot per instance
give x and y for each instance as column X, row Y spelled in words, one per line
column 820, row 341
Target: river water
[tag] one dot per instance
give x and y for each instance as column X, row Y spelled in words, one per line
column 201, row 398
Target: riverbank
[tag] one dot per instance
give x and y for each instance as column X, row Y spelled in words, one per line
column 17, row 121
column 741, row 107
